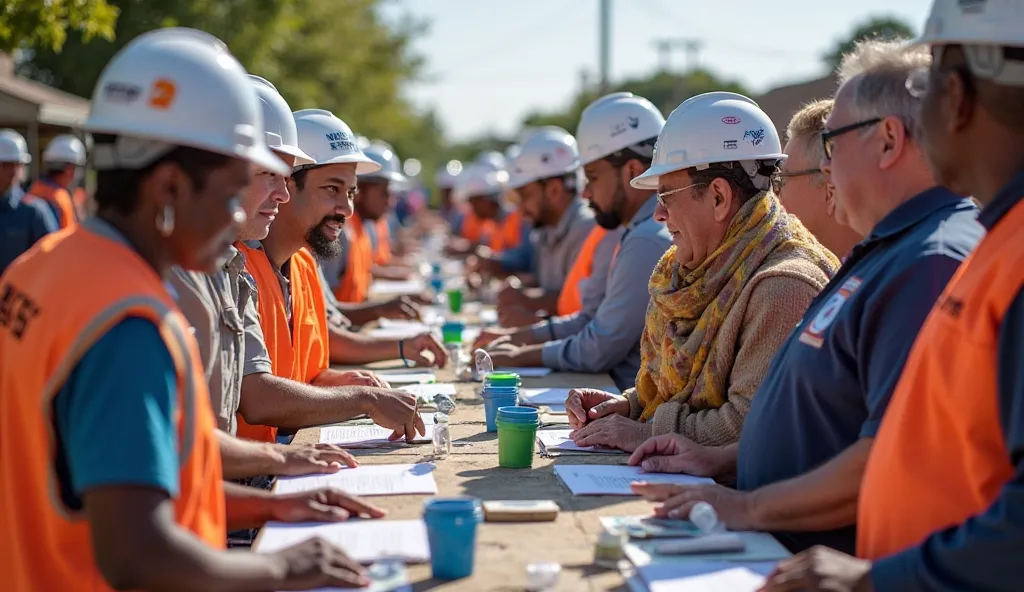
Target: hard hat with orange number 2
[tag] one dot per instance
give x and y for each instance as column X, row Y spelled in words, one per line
column 177, row 87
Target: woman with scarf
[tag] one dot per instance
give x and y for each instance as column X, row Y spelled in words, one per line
column 739, row 276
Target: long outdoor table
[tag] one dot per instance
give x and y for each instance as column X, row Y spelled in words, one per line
column 503, row 550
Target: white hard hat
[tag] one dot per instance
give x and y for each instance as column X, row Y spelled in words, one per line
column 615, row 122
column 13, row 147
column 549, row 152
column 481, row 180
column 512, row 152
column 492, row 159
column 176, row 87
column 328, row 140
column 65, row 149
column 714, row 127
column 447, row 176
column 391, row 167
column 278, row 123
column 983, row 28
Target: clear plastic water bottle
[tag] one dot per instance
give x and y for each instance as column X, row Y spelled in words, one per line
column 442, row 436
column 704, row 517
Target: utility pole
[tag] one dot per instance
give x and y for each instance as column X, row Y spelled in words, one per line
column 606, row 43
column 665, row 47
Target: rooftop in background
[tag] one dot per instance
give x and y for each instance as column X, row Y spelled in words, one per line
column 24, row 101
column 783, row 102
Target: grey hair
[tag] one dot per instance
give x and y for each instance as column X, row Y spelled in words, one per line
column 875, row 74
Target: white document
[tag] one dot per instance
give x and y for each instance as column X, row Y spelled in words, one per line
column 429, row 390
column 527, row 372
column 364, row 541
column 615, row 479
column 404, row 324
column 550, row 396
column 369, row 436
column 560, row 440
column 397, row 287
column 488, row 316
column 410, row 376
column 367, row 480
column 399, row 332
column 737, row 579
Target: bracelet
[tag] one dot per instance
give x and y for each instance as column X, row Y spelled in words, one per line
column 401, row 352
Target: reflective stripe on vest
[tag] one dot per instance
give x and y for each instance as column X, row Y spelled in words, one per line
column 45, row 545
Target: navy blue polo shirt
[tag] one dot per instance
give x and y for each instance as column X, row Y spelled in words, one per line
column 831, row 380
column 21, row 225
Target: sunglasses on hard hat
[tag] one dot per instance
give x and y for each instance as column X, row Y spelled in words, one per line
column 828, row 138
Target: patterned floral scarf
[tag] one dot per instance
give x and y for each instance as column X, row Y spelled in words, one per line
column 688, row 308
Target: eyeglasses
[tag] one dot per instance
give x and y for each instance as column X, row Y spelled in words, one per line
column 780, row 179
column 663, row 194
column 828, row 138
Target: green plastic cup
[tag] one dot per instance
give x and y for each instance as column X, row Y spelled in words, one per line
column 455, row 300
column 515, row 444
column 502, row 379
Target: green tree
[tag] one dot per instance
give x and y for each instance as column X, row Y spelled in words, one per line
column 878, row 27
column 338, row 55
column 39, row 24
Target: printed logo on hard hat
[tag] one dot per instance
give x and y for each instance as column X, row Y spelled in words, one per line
column 620, row 128
column 162, row 94
column 121, row 92
column 730, row 145
column 755, row 137
column 633, row 122
column 972, row 6
column 730, row 120
column 545, row 158
column 340, row 141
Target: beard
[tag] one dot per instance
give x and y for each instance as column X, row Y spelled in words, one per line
column 610, row 220
column 323, row 248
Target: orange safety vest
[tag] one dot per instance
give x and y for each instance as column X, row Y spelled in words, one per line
column 501, row 235
column 45, row 545
column 355, row 282
column 569, row 300
column 382, row 256
column 300, row 354
column 939, row 456
column 57, row 198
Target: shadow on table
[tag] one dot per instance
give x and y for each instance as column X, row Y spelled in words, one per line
column 481, row 437
column 538, row 483
column 586, row 570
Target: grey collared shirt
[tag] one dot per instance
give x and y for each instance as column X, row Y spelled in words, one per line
column 610, row 342
column 592, row 290
column 558, row 247
column 221, row 307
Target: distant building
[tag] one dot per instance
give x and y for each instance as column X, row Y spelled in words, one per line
column 37, row 111
column 783, row 102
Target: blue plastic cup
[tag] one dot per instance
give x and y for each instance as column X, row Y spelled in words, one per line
column 494, row 401
column 451, row 531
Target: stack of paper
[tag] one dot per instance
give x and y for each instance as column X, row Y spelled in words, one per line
column 425, row 392
column 367, row 480
column 550, row 397
column 365, row 541
column 370, row 436
column 615, row 479
column 411, row 287
column 705, row 577
column 527, row 372
column 559, row 441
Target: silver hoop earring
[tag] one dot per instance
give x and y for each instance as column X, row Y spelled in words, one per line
column 165, row 221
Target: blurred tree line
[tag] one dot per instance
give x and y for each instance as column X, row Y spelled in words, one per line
column 339, row 55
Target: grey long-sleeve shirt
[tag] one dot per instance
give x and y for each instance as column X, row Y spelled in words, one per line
column 557, row 247
column 610, row 342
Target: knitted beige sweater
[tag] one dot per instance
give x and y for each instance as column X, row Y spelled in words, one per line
column 768, row 308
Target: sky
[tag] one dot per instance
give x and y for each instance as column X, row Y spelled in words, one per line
column 489, row 63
